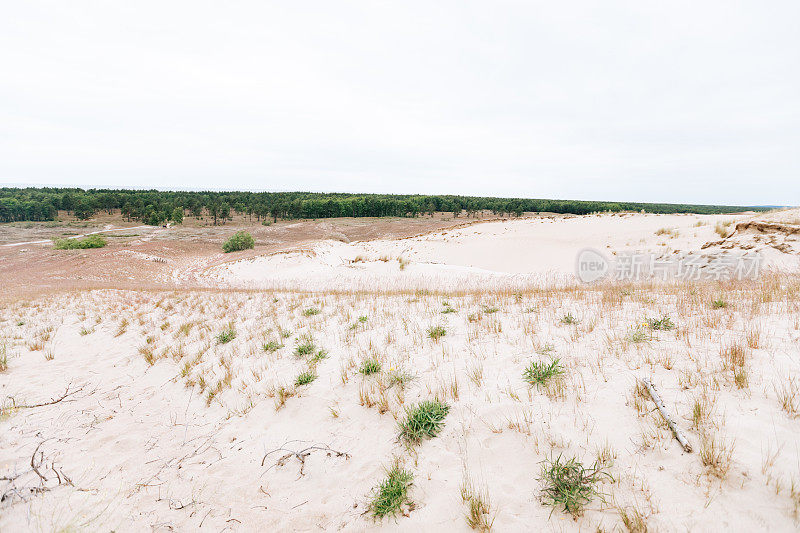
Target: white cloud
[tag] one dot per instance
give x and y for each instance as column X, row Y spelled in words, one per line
column 679, row 101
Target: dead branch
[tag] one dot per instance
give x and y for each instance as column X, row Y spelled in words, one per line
column 663, row 410
column 52, row 401
column 36, row 485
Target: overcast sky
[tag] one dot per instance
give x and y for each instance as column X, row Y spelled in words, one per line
column 608, row 100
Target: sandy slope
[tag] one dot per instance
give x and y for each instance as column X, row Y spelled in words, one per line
column 511, row 254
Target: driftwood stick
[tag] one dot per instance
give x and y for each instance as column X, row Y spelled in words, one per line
column 663, row 410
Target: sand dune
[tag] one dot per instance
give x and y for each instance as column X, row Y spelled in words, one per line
column 514, row 254
column 185, row 409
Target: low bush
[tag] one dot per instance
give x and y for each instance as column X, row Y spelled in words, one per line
column 241, row 240
column 92, row 241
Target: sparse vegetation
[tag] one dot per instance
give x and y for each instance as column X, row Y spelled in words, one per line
column 637, row 335
column 789, row 396
column 399, row 377
column 479, row 508
column 721, row 229
column 719, row 303
column 716, row 454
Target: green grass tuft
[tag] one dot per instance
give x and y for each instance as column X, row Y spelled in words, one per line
column 392, row 493
column 319, row 356
column 436, row 332
column 660, row 324
column 305, row 348
column 569, row 319
column 305, row 378
column 226, row 336
column 272, row 346
column 423, row 420
column 538, row 373
column 370, row 366
column 569, row 484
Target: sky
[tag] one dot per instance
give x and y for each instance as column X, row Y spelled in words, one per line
column 682, row 101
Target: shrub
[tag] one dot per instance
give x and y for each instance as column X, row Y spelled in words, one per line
column 241, row 240
column 311, row 311
column 719, row 303
column 92, row 241
column 392, row 493
column 423, row 420
column 569, row 484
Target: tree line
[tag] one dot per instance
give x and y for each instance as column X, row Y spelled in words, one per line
column 156, row 207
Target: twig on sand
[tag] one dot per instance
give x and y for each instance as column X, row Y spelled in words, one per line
column 663, row 410
column 52, row 401
column 38, row 465
column 302, row 454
